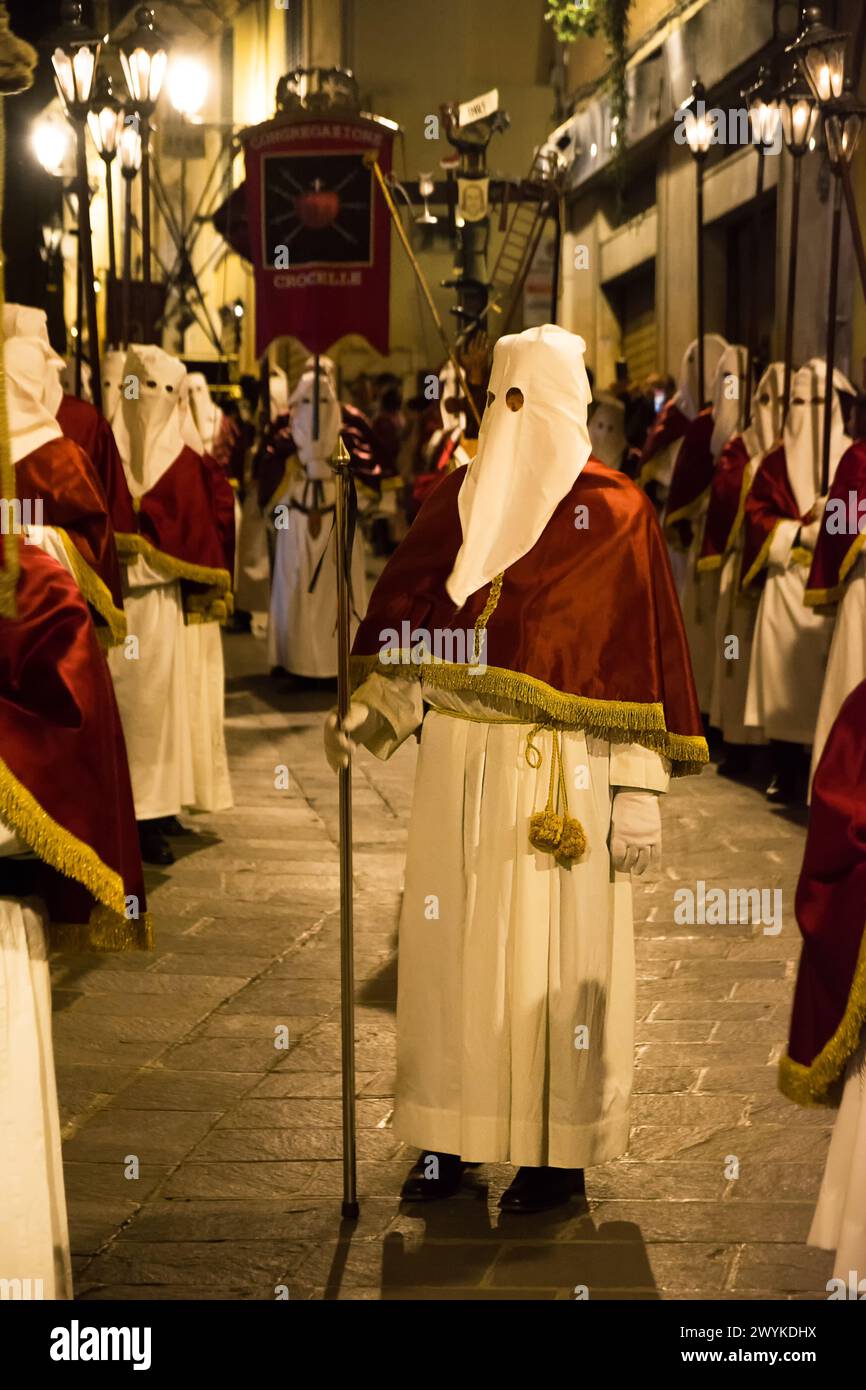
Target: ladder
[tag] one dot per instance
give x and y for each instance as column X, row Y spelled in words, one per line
column 521, row 240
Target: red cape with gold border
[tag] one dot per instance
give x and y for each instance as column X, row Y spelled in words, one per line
column 727, row 503
column 64, row 778
column 178, row 534
column 81, row 421
column 770, row 501
column 691, row 478
column 60, row 475
column 830, row 994
column 585, row 629
column 836, row 552
column 670, row 426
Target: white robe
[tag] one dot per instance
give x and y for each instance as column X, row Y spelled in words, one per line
column 699, row 599
column 253, row 588
column 34, row 1237
column 150, row 683
column 846, row 666
column 790, row 649
column 736, row 614
column 504, row 956
column 839, row 1222
column 210, row 789
column 302, row 628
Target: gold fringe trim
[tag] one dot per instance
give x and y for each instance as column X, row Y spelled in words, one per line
column 809, row 1085
column 816, row 597
column 105, row 931
column 801, row 555
column 762, row 557
column 614, row 720
column 57, row 846
column 95, row 590
column 128, row 546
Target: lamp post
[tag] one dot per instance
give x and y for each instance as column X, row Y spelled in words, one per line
column 75, row 58
column 187, row 83
column 144, row 59
column 699, row 133
column 130, row 163
column 764, row 121
column 799, row 112
column 820, row 54
column 105, row 122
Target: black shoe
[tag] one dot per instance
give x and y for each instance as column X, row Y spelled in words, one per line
column 155, row 848
column 541, row 1189
column 434, row 1176
column 170, row 825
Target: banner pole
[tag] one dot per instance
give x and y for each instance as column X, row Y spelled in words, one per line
column 340, row 463
column 372, row 160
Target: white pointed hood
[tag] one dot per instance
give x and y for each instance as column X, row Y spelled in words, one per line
column 532, row 447
column 607, row 431
column 804, row 431
column 686, row 397
column 152, row 414
column 315, row 453
column 205, row 412
column 278, row 391
column 111, row 369
column 765, row 422
column 22, row 321
column 728, row 396
column 27, row 361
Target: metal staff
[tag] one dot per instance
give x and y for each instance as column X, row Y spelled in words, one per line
column 340, row 464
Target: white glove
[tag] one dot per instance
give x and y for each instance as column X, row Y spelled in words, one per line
column 341, row 740
column 809, row 534
column 635, row 831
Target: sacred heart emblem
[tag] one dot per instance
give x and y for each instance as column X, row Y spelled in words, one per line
column 319, row 207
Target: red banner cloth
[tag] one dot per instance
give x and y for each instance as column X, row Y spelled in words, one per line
column 320, row 232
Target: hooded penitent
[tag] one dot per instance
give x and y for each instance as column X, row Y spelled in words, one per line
column 558, row 559
column 788, row 482
column 205, row 412
column 733, row 473
column 177, row 530
column 607, row 431
column 660, row 448
column 705, row 438
column 54, row 473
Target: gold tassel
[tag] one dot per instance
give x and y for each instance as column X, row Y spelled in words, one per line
column 553, row 831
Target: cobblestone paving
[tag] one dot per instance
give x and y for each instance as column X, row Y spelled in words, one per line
column 172, row 1060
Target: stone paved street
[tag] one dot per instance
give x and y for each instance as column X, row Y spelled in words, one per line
column 174, row 1060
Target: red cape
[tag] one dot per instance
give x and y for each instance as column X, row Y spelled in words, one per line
column 586, row 630
column 843, row 533
column 692, row 475
column 223, row 504
column 670, row 426
column 830, row 994
column 727, row 503
column 81, row 421
column 178, row 533
column 64, row 779
column 60, row 475
column 770, row 501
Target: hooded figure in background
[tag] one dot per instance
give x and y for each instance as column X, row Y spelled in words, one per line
column 687, row 505
column 662, row 444
column 175, row 566
column 782, row 522
column 607, row 431
column 57, row 485
column 302, row 627
column 722, row 550
column 528, row 625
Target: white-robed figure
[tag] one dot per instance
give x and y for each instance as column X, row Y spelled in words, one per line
column 253, row 564
column 783, row 518
column 302, row 627
column 515, row 1013
column 149, row 672
column 736, row 612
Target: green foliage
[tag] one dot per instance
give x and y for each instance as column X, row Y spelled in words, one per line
column 572, row 19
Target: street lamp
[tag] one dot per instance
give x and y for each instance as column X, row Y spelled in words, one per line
column 75, row 58
column 52, row 144
column 699, row 134
column 820, row 53
column 764, row 120
column 105, row 122
column 187, row 83
column 799, row 113
column 130, row 163
column 144, row 60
